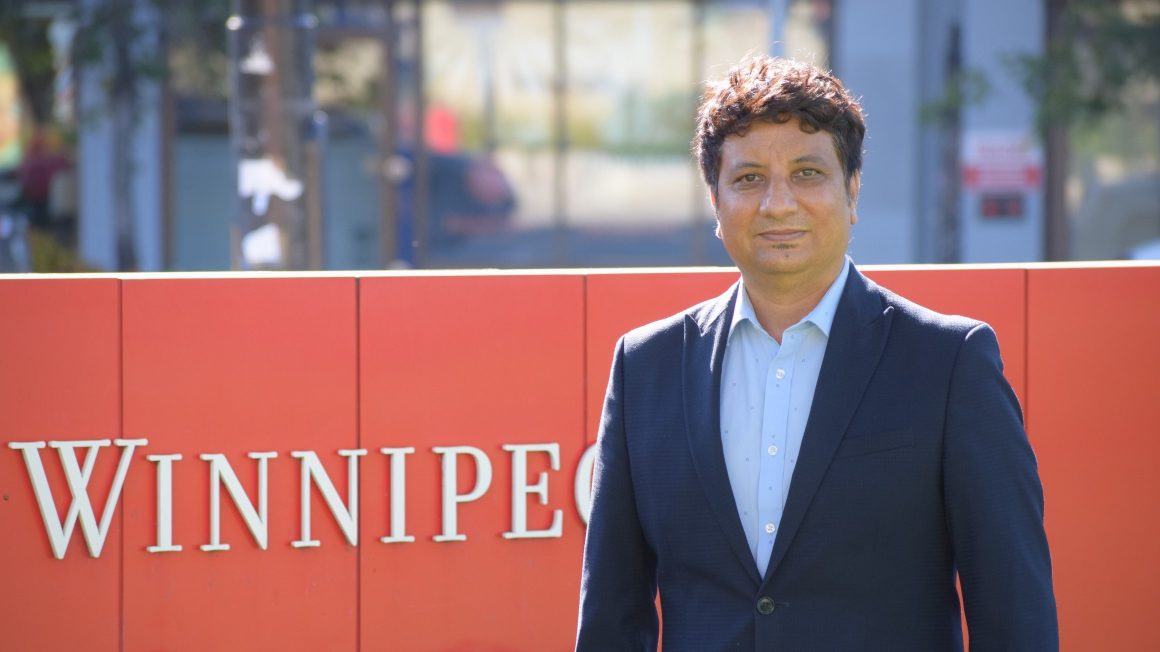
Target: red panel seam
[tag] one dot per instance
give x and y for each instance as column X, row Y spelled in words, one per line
column 121, row 433
column 358, row 444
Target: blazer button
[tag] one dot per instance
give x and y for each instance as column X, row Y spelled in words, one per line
column 765, row 606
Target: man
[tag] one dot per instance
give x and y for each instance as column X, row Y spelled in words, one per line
column 808, row 462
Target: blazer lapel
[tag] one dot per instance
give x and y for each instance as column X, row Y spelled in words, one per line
column 857, row 339
column 706, row 333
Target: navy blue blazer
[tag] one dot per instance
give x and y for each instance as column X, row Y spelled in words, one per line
column 914, row 468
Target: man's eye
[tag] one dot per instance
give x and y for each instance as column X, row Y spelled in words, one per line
column 748, row 178
column 809, row 172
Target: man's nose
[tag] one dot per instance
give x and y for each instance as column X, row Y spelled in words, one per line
column 778, row 199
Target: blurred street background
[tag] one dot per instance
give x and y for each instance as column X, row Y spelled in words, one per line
column 141, row 135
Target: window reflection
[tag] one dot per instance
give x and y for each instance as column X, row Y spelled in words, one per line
column 577, row 117
column 553, row 133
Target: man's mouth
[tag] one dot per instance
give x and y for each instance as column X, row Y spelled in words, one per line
column 781, row 235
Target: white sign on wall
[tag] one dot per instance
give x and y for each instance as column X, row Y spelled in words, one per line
column 1001, row 160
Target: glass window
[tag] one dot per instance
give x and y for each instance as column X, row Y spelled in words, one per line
column 557, row 134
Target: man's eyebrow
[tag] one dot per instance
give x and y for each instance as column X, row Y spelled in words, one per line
column 810, row 158
column 745, row 164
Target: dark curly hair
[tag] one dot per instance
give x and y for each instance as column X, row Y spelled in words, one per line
column 771, row 89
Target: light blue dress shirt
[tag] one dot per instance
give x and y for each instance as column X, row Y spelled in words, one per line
column 766, row 393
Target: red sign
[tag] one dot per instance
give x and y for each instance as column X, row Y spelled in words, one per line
column 398, row 461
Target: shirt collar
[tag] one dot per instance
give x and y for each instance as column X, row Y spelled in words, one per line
column 821, row 316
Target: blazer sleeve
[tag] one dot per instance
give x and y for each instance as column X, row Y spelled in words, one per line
column 618, row 581
column 995, row 506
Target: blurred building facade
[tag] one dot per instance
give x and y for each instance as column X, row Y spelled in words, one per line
column 521, row 133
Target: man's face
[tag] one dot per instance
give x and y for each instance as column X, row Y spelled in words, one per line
column 783, row 210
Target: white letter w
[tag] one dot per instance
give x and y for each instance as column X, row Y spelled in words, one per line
column 78, row 484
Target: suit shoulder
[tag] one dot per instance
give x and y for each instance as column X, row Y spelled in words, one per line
column 911, row 314
column 933, row 336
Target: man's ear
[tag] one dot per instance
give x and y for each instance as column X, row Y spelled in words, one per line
column 852, row 189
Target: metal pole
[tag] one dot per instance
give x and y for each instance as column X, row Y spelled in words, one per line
column 559, row 176
column 699, row 245
column 423, row 230
column 388, row 195
column 777, row 14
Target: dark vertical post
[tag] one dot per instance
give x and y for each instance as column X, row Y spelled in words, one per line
column 388, row 196
column 950, row 170
column 314, row 151
column 405, row 164
column 422, row 157
column 168, row 134
column 124, row 102
column 1055, row 236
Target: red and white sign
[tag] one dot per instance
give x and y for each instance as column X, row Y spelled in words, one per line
column 401, row 461
column 1001, row 160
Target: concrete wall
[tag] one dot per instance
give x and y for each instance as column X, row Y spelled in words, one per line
column 877, row 54
column 96, row 224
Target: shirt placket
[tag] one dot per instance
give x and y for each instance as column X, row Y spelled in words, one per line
column 789, row 357
column 772, row 482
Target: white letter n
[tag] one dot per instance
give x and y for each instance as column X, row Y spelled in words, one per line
column 220, row 472
column 347, row 516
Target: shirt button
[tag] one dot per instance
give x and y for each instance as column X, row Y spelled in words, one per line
column 765, row 606
column 780, row 374
column 772, row 450
column 770, row 528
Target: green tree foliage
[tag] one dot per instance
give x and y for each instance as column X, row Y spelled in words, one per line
column 1096, row 50
column 27, row 40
